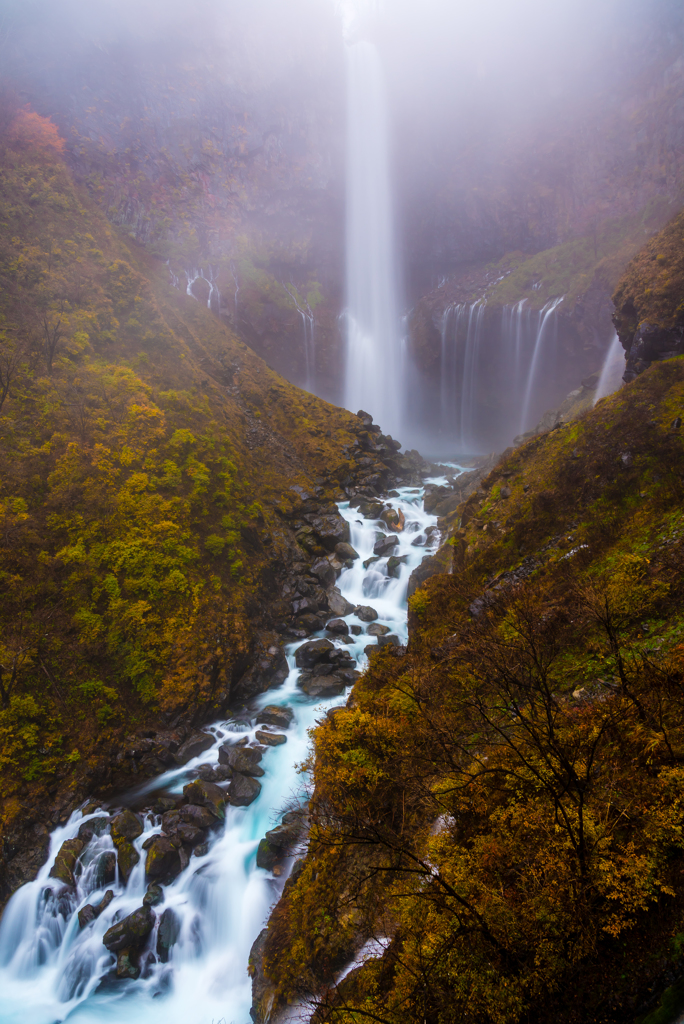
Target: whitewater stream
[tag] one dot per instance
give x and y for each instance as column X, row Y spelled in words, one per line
column 52, row 970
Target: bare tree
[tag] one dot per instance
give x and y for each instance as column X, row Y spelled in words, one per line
column 52, row 327
column 10, row 366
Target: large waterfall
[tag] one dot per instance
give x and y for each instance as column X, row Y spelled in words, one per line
column 374, row 356
column 54, row 965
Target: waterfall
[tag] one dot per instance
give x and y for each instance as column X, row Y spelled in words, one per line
column 545, row 315
column 308, row 327
column 612, row 370
column 51, row 968
column 214, row 297
column 373, row 364
column 470, row 381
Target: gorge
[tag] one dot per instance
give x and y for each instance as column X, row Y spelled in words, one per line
column 341, row 470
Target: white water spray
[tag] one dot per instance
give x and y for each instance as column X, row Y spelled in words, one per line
column 545, row 319
column 611, row 371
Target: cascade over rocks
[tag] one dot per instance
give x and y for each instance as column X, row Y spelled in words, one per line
column 131, row 931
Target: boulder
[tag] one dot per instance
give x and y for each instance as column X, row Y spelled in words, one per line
column 106, row 869
column 325, row 571
column 384, row 545
column 270, row 739
column 355, row 630
column 167, row 933
column 243, row 790
column 201, row 850
column 65, row 861
column 91, row 912
column 267, row 855
column 331, row 530
column 127, row 965
column 272, row 714
column 394, row 564
column 312, row 652
column 190, row 834
column 153, row 896
column 244, row 760
column 163, row 859
column 337, row 626
column 337, row 604
column 393, row 519
column 126, row 825
column 194, row 746
column 376, row 629
column 345, row 552
column 131, row 932
column 323, row 686
column 206, row 794
column 390, row 638
column 198, row 817
column 94, row 827
column 170, row 821
column 128, row 857
column 366, row 613
column 270, row 669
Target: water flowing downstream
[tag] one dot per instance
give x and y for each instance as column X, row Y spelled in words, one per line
column 52, row 969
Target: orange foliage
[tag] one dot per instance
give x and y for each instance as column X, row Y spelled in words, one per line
column 31, row 131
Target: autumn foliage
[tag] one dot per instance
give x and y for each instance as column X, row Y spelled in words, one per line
column 31, row 131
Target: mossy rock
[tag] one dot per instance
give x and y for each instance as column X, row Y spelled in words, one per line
column 65, row 861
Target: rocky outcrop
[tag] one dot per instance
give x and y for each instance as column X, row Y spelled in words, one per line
column 649, row 314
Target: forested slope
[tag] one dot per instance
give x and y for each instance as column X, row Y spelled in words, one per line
column 501, row 803
column 146, row 465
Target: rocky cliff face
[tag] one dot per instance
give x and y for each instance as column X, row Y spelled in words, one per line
column 649, row 301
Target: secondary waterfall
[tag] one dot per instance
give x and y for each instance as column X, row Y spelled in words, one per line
column 611, row 371
column 373, row 366
column 51, row 969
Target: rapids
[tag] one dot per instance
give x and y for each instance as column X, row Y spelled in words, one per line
column 52, row 970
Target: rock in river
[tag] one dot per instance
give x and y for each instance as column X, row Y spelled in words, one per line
column 131, row 932
column 244, row 760
column 243, row 790
column 309, row 654
column 274, row 715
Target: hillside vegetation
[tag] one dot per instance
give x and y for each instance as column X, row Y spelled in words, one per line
column 146, row 460
column 501, row 803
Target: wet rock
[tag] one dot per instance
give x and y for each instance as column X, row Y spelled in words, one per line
column 270, row 669
column 346, row 552
column 163, row 804
column 323, row 686
column 384, row 545
column 167, row 934
column 198, row 817
column 65, row 861
column 309, row 654
column 202, row 850
column 190, row 834
column 393, row 519
column 131, row 932
column 170, row 821
column 106, row 869
column 270, row 739
column 376, row 629
column 243, row 790
column 369, row 561
column 91, row 912
column 338, row 605
column 94, row 827
column 163, row 859
column 126, row 825
column 272, row 714
column 355, row 630
column 325, row 572
column 337, row 626
column 206, row 794
column 127, row 965
column 244, row 760
column 366, row 613
column 127, row 857
column 331, row 530
column 267, row 855
column 154, row 895
column 390, row 638
column 194, row 746
column 394, row 565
